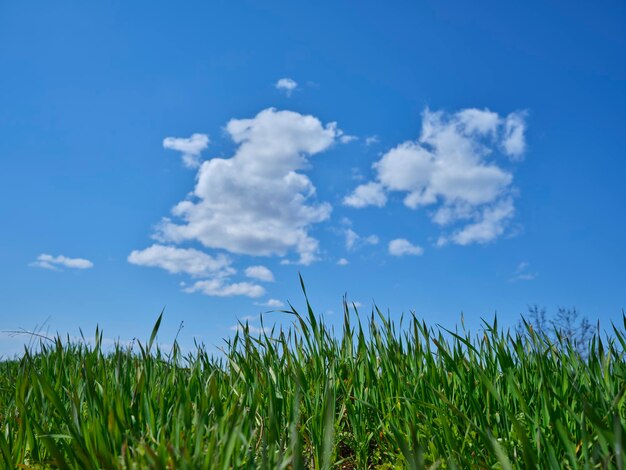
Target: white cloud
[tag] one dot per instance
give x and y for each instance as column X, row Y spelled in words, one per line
column 452, row 166
column 370, row 240
column 182, row 260
column 490, row 224
column 514, row 141
column 369, row 194
column 478, row 121
column 522, row 273
column 351, row 238
column 272, row 303
column 260, row 272
column 190, row 147
column 252, row 329
column 346, row 139
column 53, row 263
column 354, row 240
column 371, row 140
column 287, row 85
column 356, row 174
column 343, row 262
column 257, row 202
column 217, row 269
column 403, row 247
column 220, row 288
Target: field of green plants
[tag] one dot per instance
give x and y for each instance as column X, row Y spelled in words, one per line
column 375, row 395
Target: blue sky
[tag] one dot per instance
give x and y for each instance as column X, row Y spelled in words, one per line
column 431, row 157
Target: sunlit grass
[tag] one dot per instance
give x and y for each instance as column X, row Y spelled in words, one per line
column 376, row 395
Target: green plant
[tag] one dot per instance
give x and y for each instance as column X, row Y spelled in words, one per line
column 378, row 395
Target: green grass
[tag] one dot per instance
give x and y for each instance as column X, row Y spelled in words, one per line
column 376, row 395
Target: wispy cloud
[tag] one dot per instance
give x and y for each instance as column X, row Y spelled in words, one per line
column 288, row 85
column 222, row 288
column 182, row 260
column 514, row 141
column 346, row 139
column 217, row 270
column 272, row 303
column 260, row 272
column 371, row 140
column 190, row 147
column 53, row 263
column 354, row 240
column 402, row 247
column 523, row 273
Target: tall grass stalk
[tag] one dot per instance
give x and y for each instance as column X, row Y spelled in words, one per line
column 375, row 396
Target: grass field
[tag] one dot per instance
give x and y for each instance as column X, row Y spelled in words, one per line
column 375, row 395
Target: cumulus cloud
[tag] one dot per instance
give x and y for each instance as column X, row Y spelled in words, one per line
column 190, row 147
column 53, row 263
column 258, row 202
column 343, row 262
column 260, row 272
column 182, row 260
column 221, row 288
column 354, row 240
column 453, row 167
column 403, row 247
column 369, row 194
column 288, row 85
